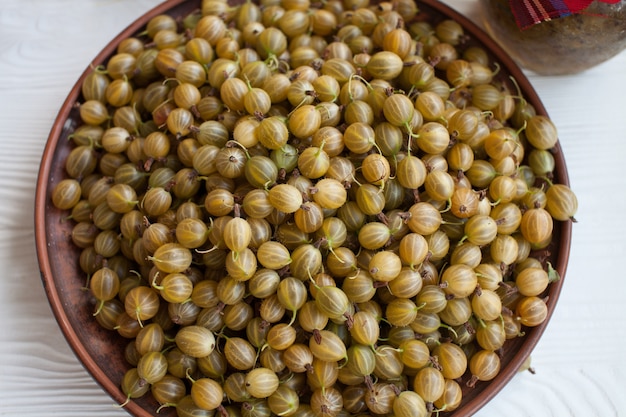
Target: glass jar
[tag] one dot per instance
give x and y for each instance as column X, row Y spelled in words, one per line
column 564, row 45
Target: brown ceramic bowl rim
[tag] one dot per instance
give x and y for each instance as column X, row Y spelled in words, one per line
column 42, row 232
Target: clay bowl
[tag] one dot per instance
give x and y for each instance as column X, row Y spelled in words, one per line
column 102, row 351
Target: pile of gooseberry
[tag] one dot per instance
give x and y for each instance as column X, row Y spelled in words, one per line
column 310, row 209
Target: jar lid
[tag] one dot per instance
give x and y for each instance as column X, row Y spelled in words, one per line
column 531, row 12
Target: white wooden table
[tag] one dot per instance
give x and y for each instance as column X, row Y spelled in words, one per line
column 580, row 362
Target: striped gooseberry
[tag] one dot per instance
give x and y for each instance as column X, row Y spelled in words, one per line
column 389, row 366
column 310, row 318
column 480, row 230
column 541, row 132
column 152, row 367
column 504, row 249
column 380, row 398
column 423, row 218
column 298, row 357
column 407, row 284
column 456, row 312
column 490, row 334
column 132, row 385
column 429, row 384
column 432, row 299
column 273, row 255
column 409, row 404
column 359, row 137
column 425, row 323
column 361, row 359
column 414, row 353
column 304, row 121
column 451, row 397
column 309, row 217
column 376, row 169
column 206, row 393
column 239, row 353
column 486, row 305
column 327, row 346
column 261, row 171
column 272, row 132
column 285, row 197
column 536, row 226
column 385, row 65
column 484, row 365
column 359, row 288
column 280, row 336
column 384, row 266
column 532, row 281
column 332, row 301
column 219, row 202
column 313, row 162
column 291, row 294
column 401, row 312
column 284, row 401
column 531, row 311
column 542, row 162
column 452, row 360
column 561, row 202
column 306, row 259
column 195, row 341
column 411, row 172
column 459, row 280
